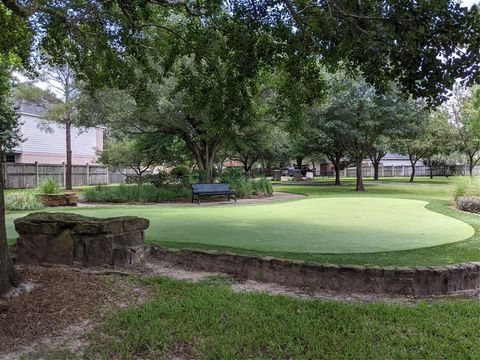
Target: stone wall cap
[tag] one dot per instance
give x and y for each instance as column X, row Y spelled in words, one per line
column 82, row 224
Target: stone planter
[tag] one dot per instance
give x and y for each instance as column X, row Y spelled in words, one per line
column 72, row 239
column 64, row 199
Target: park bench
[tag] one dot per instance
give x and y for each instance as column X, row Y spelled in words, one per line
column 199, row 190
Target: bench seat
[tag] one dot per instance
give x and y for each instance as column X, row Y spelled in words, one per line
column 199, row 190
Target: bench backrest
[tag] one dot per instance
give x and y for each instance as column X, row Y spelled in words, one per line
column 214, row 187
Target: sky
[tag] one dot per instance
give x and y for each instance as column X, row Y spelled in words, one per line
column 470, row 2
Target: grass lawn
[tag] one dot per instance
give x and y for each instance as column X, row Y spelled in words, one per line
column 213, row 322
column 392, row 224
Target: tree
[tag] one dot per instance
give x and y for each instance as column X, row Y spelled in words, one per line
column 325, row 137
column 425, row 45
column 204, row 101
column 276, row 151
column 140, row 154
column 379, row 150
column 250, row 145
column 61, row 106
column 423, row 135
column 361, row 116
column 62, row 79
column 9, row 138
column 464, row 110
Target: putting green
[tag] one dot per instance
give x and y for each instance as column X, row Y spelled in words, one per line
column 322, row 225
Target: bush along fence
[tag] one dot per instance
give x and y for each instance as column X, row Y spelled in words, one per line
column 22, row 176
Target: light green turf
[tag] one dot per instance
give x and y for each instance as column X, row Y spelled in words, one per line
column 319, row 225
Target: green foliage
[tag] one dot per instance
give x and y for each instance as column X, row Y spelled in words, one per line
column 262, row 186
column 137, row 193
column 238, row 182
column 242, row 186
column 49, row 186
column 137, row 155
column 22, row 201
column 181, row 174
column 201, row 175
column 9, row 126
column 467, row 186
column 231, row 174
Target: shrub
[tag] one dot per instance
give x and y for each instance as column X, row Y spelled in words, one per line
column 242, row 186
column 137, row 193
column 469, row 203
column 24, row 201
column 180, row 174
column 262, row 187
column 200, row 175
column 231, row 174
column 159, row 179
column 49, row 186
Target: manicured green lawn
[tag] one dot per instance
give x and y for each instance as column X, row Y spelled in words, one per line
column 390, row 224
column 320, row 225
column 212, row 322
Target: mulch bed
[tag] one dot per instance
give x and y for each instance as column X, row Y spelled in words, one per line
column 61, row 297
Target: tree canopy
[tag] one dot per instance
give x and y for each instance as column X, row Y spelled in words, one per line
column 424, row 45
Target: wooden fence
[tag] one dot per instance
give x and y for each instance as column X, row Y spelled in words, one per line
column 22, row 176
column 403, row 170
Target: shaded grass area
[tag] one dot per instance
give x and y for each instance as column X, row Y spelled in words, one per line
column 212, row 322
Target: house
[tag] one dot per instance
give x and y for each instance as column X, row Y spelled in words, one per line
column 391, row 159
column 45, row 140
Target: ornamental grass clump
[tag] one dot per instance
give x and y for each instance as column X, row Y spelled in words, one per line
column 49, row 186
column 262, row 187
column 22, row 201
column 467, row 193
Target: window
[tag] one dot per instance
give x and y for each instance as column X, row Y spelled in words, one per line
column 10, row 158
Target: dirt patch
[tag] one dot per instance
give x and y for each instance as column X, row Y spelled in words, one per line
column 59, row 298
column 56, row 307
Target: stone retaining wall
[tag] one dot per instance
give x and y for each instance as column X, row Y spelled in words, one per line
column 72, row 239
column 415, row 281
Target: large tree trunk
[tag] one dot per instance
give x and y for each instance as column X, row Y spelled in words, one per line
column 359, row 186
column 470, row 165
column 68, row 141
column 8, row 277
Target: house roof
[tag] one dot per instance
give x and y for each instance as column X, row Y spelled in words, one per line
column 34, row 108
column 391, row 156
